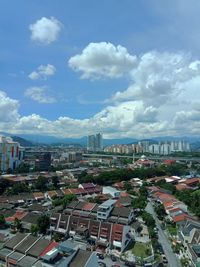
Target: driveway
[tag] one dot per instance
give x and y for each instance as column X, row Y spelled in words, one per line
column 107, row 260
column 173, row 261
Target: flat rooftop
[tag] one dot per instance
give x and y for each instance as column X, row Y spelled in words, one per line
column 81, row 258
column 27, row 261
column 107, row 203
column 5, row 252
column 39, row 247
column 15, row 240
column 16, row 256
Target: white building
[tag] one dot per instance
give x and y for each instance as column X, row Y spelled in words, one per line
column 11, row 154
column 105, row 209
column 154, row 149
column 111, row 191
column 165, row 149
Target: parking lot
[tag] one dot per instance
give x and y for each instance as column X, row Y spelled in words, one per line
column 109, row 263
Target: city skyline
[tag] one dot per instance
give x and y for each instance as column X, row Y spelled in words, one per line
column 67, row 72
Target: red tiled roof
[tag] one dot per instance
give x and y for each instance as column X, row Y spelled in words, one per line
column 18, row 215
column 117, row 232
column 180, row 187
column 171, row 210
column 52, row 193
column 181, row 217
column 118, row 204
column 153, row 188
column 156, row 179
column 192, row 181
column 38, row 195
column 66, row 191
column 124, row 194
column 88, row 185
column 89, row 206
column 164, row 196
column 144, row 162
column 77, row 191
column 169, row 161
column 168, row 204
column 49, row 248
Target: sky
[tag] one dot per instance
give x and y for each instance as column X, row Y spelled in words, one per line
column 126, row 68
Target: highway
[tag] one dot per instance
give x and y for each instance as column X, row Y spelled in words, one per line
column 173, row 261
column 137, row 157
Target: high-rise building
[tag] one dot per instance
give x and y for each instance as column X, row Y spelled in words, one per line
column 180, row 146
column 145, row 145
column 11, row 154
column 43, row 162
column 95, row 142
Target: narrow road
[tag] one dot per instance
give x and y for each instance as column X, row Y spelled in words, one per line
column 173, row 261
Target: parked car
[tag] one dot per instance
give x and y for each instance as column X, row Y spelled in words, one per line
column 101, row 263
column 113, row 258
column 130, row 264
column 160, row 249
column 164, row 259
column 100, row 256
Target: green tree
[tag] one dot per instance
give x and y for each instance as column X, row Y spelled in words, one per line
column 34, row 229
column 55, row 181
column 43, row 223
column 139, row 202
column 2, row 221
column 67, row 199
column 17, row 224
column 160, row 210
column 127, row 186
column 41, row 183
column 148, row 219
column 143, row 191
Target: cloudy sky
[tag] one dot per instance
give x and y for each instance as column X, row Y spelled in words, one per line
column 126, row 68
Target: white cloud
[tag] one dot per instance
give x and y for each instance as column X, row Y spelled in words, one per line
column 162, row 99
column 40, row 95
column 42, row 72
column 99, row 60
column 157, row 78
column 45, row 30
column 8, row 108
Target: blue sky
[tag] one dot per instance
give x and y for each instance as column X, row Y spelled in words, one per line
column 126, row 68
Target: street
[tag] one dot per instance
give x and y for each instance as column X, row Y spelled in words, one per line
column 173, row 261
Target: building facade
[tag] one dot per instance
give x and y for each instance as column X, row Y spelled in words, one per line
column 11, row 154
column 95, row 142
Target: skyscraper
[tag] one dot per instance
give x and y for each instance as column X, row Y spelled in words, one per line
column 95, row 142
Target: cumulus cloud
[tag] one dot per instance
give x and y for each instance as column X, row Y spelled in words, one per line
column 102, row 60
column 8, row 108
column 159, row 77
column 162, row 99
column 42, row 72
column 40, row 95
column 45, row 30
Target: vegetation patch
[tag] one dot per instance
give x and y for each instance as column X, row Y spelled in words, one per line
column 141, row 250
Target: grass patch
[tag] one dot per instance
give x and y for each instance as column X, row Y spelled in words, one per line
column 141, row 250
column 172, row 230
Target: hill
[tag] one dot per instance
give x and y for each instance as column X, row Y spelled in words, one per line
column 23, row 142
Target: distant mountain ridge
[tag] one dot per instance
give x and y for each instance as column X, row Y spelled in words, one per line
column 23, row 142
column 31, row 140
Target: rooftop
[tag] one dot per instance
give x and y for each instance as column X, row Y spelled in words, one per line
column 107, row 203
column 81, row 258
column 15, row 240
